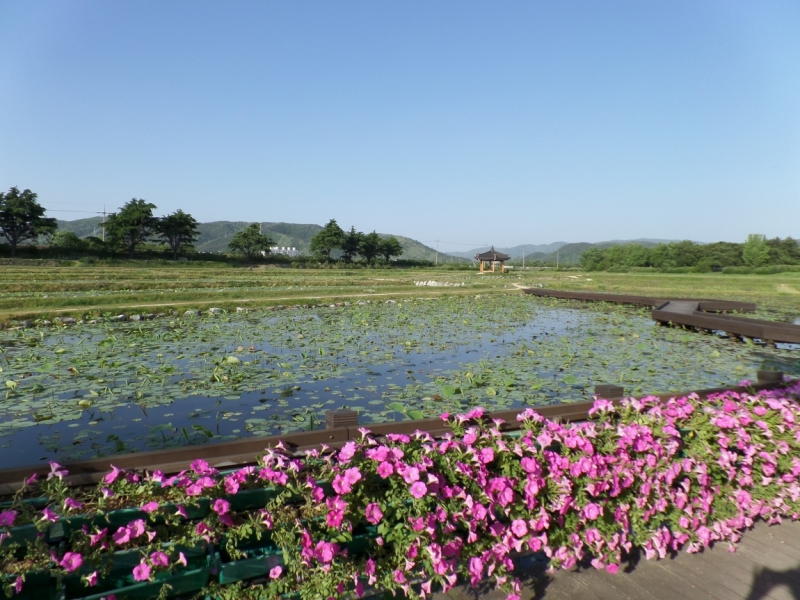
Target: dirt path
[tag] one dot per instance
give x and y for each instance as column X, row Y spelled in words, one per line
column 787, row 289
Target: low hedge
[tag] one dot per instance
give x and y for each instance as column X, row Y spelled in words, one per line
column 416, row 514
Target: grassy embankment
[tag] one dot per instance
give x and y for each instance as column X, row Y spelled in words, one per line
column 45, row 291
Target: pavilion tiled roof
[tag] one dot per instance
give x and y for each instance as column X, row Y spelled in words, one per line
column 492, row 255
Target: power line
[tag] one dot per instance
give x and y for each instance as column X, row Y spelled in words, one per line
column 91, row 212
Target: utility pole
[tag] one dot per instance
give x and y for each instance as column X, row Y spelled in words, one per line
column 104, row 222
column 437, row 252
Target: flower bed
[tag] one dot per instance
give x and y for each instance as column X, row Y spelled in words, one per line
column 660, row 476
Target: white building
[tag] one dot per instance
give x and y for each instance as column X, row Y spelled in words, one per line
column 287, row 251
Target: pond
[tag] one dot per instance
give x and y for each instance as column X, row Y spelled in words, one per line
column 98, row 389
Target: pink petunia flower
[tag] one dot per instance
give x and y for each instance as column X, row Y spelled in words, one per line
column 150, row 507
column 112, row 477
column 122, row 536
column 71, row 561
column 385, row 469
column 56, row 470
column 141, row 572
column 347, row 452
column 18, row 585
column 7, row 518
column 591, row 511
column 70, row 503
column 136, row 528
column 181, row 559
column 159, row 559
column 419, row 489
column 373, row 513
column 49, row 515
column 91, row 579
column 95, row 538
column 519, row 528
column 221, row 506
column 275, row 572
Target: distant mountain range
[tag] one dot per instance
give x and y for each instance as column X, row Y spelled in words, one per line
column 536, row 251
column 216, row 235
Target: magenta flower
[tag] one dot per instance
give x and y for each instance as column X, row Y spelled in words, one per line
column 485, row 456
column 150, row 507
column 159, row 559
column 325, row 551
column 107, row 493
column 121, row 536
column 591, row 511
column 71, row 561
column 136, row 528
column 385, row 469
column 70, row 503
column 56, row 470
column 519, row 528
column 373, row 513
column 419, row 489
column 275, row 572
column 18, row 585
column 226, row 520
column 91, row 579
column 112, row 477
column 95, row 538
column 231, row 485
column 180, row 510
column 7, row 518
column 221, row 506
column 352, row 475
column 409, row 474
column 49, row 515
column 347, row 452
column 141, row 572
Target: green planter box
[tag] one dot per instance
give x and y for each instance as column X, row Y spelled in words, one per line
column 120, row 579
column 258, row 563
column 38, row 586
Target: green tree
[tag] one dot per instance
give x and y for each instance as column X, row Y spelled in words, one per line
column 131, row 226
column 178, row 230
column 250, row 241
column 755, row 252
column 370, row 247
column 591, row 259
column 22, row 218
column 329, row 239
column 67, row 240
column 784, row 251
column 351, row 244
column 390, row 247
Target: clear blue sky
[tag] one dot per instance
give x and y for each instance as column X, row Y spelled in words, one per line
column 499, row 122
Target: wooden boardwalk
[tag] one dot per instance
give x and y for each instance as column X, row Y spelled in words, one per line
column 696, row 313
column 766, row 565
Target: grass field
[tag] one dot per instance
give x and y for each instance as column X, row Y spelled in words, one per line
column 40, row 290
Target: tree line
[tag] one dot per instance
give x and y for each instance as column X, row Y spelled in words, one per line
column 350, row 244
column 134, row 224
column 757, row 251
